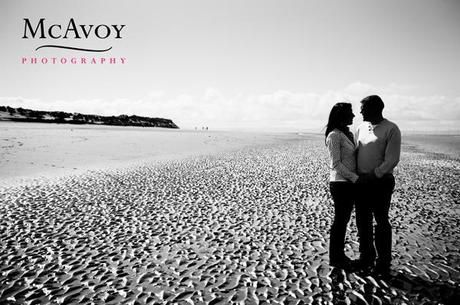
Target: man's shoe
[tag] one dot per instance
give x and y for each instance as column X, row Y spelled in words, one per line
column 382, row 270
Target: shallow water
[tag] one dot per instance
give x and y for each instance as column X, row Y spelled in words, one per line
column 448, row 145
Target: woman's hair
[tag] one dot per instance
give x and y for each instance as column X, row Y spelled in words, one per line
column 336, row 117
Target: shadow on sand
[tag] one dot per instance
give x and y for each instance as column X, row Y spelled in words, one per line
column 396, row 288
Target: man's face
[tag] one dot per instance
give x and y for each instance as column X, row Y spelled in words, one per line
column 366, row 111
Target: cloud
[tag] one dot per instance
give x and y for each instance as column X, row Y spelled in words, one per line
column 278, row 110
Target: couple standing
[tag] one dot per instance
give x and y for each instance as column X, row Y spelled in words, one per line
column 362, row 176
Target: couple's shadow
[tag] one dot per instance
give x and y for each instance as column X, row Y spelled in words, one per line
column 396, row 288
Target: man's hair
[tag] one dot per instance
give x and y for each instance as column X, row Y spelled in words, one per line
column 373, row 101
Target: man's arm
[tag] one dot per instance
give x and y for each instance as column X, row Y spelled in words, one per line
column 392, row 153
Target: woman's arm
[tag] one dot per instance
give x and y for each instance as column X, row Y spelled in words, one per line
column 333, row 144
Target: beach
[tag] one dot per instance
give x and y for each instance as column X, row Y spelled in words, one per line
column 114, row 215
column 38, row 150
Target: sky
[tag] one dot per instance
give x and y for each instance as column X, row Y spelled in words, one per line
column 242, row 64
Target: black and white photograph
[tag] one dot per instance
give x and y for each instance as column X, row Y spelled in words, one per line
column 243, row 152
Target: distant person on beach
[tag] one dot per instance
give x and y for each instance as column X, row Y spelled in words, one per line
column 379, row 147
column 342, row 150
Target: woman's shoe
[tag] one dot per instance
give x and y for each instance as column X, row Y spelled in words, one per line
column 364, row 266
column 344, row 263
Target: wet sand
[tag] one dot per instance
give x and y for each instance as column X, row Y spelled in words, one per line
column 241, row 226
column 37, row 150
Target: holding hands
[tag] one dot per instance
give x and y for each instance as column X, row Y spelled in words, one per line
column 366, row 178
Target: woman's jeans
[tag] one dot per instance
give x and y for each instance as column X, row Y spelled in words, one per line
column 343, row 196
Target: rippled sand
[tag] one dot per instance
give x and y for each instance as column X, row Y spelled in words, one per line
column 243, row 227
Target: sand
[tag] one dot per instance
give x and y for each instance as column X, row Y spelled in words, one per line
column 245, row 224
column 39, row 150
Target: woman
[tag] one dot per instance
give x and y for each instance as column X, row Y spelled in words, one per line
column 342, row 147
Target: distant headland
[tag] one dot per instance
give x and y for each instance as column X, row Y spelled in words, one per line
column 27, row 115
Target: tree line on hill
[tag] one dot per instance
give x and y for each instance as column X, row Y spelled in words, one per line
column 28, row 115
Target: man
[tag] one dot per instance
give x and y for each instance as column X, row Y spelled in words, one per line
column 379, row 148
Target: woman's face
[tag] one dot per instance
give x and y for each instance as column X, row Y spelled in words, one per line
column 348, row 119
